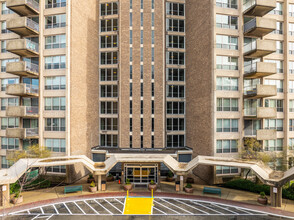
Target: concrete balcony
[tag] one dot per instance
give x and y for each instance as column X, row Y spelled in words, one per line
column 259, row 70
column 23, row 7
column 22, row 133
column 23, row 48
column 22, row 111
column 23, row 26
column 260, row 91
column 23, row 90
column 258, row 8
column 260, row 112
column 259, row 27
column 264, row 134
column 23, row 68
column 259, row 48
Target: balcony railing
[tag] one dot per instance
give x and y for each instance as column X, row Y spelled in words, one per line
column 248, row 4
column 34, row 4
column 250, row 46
column 30, row 45
column 32, row 24
column 250, row 68
column 250, row 25
column 250, row 111
column 32, row 88
column 32, row 110
column 32, row 67
column 31, row 132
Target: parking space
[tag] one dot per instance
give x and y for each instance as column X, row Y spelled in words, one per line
column 114, row 206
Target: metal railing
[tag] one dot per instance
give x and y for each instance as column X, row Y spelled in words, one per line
column 32, row 67
column 250, row 90
column 248, row 4
column 32, row 45
column 32, row 89
column 227, row 46
column 251, row 111
column 250, row 46
column 226, row 5
column 33, row 4
column 32, row 24
column 250, row 68
column 31, row 132
column 32, row 110
column 248, row 26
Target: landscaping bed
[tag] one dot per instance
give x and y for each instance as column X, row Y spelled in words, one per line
column 247, row 185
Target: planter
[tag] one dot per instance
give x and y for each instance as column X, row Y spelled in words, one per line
column 152, row 186
column 128, row 187
column 17, row 200
column 93, row 189
column 189, row 190
column 109, row 178
column 262, row 201
column 90, row 180
column 170, row 179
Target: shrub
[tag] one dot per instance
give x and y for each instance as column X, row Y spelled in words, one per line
column 109, row 175
column 152, row 182
column 92, row 184
column 170, row 174
column 128, row 182
column 262, row 195
column 189, row 186
column 90, row 176
column 14, row 187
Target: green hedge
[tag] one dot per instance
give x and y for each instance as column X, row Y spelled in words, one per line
column 247, row 185
column 38, row 183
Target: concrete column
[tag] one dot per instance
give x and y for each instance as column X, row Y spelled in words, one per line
column 276, row 196
column 5, row 195
column 182, row 183
column 68, row 174
column 99, row 183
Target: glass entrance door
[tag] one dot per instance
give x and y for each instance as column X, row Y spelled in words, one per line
column 141, row 174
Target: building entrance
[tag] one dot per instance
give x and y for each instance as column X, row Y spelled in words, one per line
column 141, row 174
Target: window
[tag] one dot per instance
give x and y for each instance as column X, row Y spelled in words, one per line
column 280, row 48
column 227, row 83
column 3, row 28
column 55, row 41
column 55, row 3
column 108, row 124
column 175, row 58
column 291, row 124
column 108, row 58
column 108, row 41
column 9, row 143
column 131, row 124
column 175, row 25
column 175, row 141
column 55, row 103
column 227, row 4
column 152, row 4
column 175, row 74
column 131, row 141
column 131, row 89
column 291, row 143
column 54, row 124
column 109, row 91
column 227, row 104
column 55, row 83
column 152, row 124
column 226, row 170
column 175, row 124
column 108, row 140
column 291, row 10
column 175, row 9
column 4, row 163
column 108, row 8
column 152, row 90
column 226, row 146
column 55, row 21
column 55, row 145
column 273, row 145
column 141, row 54
column 142, row 107
column 279, row 28
column 291, row 48
column 56, row 169
column 142, row 124
column 8, row 102
column 274, row 124
column 131, row 54
column 251, row 126
column 277, row 83
column 55, row 62
column 3, row 46
column 174, row 41
column 152, row 19
column 142, row 19
column 226, row 63
column 141, row 89
column 142, row 4
column 4, row 62
column 279, row 63
column 142, row 141
column 9, row 123
column 107, row 25
column 175, row 108
column 175, row 91
column 108, row 108
column 152, row 37
column 225, row 21
column 291, row 86
column 291, row 67
column 227, row 125
column 131, row 107
column 291, row 106
column 278, row 10
column 152, row 140
column 5, row 82
column 152, row 107
column 275, row 103
column 108, row 74
column 227, row 42
column 131, row 37
column 5, row 10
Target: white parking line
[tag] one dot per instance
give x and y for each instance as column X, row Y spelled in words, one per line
column 103, row 207
column 92, row 207
column 80, row 208
column 177, row 206
column 167, row 207
column 193, row 207
column 198, row 203
column 113, row 206
column 67, row 208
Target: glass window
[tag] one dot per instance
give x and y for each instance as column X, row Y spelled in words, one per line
column 55, row 62
column 55, row 103
column 227, row 4
column 227, row 63
column 227, row 125
column 225, row 21
column 175, row 91
column 109, row 41
column 55, row 3
column 55, row 41
column 227, row 83
column 227, row 104
column 55, row 21
column 55, row 145
column 175, row 25
column 175, row 9
column 107, row 25
column 175, row 141
column 108, row 8
column 54, row 124
column 109, row 91
column 226, row 146
column 175, row 58
column 55, row 83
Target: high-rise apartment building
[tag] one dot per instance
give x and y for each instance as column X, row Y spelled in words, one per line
column 96, row 76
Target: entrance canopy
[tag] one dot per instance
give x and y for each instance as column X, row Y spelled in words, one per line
column 266, row 175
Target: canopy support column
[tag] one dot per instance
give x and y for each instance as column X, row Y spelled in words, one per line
column 276, row 196
column 4, row 195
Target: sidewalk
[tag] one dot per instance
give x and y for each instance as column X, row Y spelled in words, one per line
column 230, row 196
